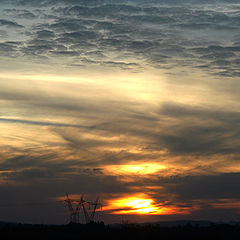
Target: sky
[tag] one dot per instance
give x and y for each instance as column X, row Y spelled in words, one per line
column 136, row 102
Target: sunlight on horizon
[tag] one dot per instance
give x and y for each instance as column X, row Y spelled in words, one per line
column 140, row 204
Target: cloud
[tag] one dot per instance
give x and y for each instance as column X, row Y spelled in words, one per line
column 223, row 186
column 41, row 123
column 3, row 33
column 45, row 34
column 180, row 129
column 10, row 24
column 158, row 36
column 200, row 130
column 97, row 2
column 10, row 48
column 19, row 13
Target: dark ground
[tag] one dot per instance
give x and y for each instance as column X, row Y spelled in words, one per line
column 129, row 231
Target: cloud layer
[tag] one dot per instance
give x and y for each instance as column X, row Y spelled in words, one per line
column 140, row 35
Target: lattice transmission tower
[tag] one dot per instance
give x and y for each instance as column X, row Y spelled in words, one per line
column 88, row 208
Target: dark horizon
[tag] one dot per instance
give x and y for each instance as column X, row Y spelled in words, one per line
column 99, row 230
column 136, row 102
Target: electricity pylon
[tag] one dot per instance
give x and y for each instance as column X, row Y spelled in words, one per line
column 92, row 210
column 73, row 211
column 89, row 209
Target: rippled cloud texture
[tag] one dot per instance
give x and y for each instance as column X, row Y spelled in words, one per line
column 118, row 100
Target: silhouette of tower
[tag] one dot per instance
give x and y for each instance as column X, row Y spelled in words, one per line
column 73, row 210
column 75, row 206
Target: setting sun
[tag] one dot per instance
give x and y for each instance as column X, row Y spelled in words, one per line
column 138, row 204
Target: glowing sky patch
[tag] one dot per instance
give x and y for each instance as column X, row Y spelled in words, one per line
column 141, row 204
column 137, row 168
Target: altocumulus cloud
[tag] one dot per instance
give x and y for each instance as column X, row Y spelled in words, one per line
column 197, row 35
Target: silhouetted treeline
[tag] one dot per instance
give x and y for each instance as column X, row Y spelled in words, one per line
column 124, row 232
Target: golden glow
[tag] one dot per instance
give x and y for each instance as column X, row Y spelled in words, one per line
column 141, row 205
column 138, row 86
column 134, row 168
